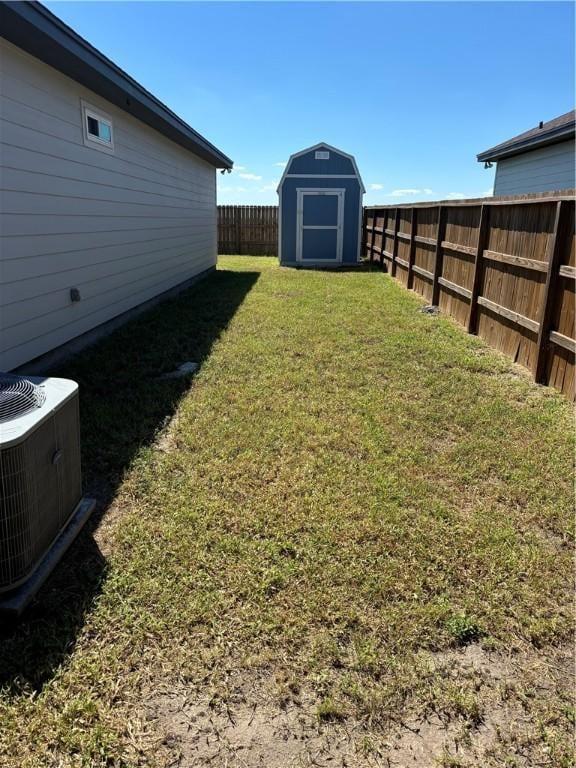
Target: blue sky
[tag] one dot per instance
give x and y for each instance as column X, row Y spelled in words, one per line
column 413, row 90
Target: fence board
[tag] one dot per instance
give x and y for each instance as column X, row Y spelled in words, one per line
column 504, row 268
column 248, row 229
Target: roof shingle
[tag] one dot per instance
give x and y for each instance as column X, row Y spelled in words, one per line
column 561, row 128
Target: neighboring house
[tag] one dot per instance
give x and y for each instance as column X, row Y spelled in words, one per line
column 539, row 160
column 108, row 197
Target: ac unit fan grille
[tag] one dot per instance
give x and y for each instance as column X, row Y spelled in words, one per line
column 18, row 396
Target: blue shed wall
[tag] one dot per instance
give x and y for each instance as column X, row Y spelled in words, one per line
column 335, row 164
column 351, row 222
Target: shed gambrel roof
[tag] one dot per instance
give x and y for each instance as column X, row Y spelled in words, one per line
column 34, row 29
column 330, row 148
column 562, row 128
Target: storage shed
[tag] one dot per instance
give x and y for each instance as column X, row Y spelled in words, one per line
column 107, row 198
column 320, row 209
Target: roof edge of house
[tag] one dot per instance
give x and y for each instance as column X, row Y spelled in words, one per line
column 36, row 30
column 554, row 136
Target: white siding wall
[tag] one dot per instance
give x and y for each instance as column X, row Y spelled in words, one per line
column 541, row 170
column 121, row 228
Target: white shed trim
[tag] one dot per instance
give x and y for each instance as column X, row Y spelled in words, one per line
column 300, row 226
column 280, row 226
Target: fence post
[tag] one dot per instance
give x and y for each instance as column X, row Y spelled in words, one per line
column 552, row 274
column 373, row 235
column 395, row 243
column 438, row 254
column 483, row 231
column 412, row 251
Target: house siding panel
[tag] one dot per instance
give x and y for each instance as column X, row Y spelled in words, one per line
column 540, row 170
column 121, row 227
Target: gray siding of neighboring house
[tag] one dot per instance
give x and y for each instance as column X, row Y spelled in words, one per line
column 122, row 227
column 539, row 170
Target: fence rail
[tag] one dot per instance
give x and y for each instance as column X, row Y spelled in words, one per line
column 504, row 269
column 248, row 229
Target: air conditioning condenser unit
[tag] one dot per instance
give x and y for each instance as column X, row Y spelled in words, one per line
column 41, row 504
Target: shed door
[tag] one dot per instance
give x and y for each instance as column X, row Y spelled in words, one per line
column 319, row 223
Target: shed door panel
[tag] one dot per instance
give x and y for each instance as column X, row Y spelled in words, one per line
column 319, row 245
column 320, row 225
column 320, row 210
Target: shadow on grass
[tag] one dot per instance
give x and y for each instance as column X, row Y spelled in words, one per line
column 122, row 407
column 363, row 266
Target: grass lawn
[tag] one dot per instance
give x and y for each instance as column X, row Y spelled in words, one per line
column 345, row 541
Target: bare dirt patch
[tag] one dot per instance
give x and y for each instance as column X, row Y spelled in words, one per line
column 493, row 708
column 488, row 709
column 249, row 729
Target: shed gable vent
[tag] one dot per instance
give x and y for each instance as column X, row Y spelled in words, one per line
column 321, row 154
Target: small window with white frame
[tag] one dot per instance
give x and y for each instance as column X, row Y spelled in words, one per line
column 97, row 128
column 321, row 154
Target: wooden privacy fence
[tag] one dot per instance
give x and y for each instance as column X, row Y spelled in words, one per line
column 504, row 269
column 248, row 229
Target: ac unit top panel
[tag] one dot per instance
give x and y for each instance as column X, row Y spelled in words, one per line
column 56, row 392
